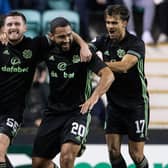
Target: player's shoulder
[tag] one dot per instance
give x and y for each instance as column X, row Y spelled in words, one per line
column 28, row 40
column 41, row 38
column 35, row 39
column 133, row 39
column 25, row 42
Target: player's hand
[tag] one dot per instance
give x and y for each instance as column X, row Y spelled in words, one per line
column 88, row 104
column 85, row 54
column 4, row 38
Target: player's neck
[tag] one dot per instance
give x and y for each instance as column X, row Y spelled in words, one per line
column 16, row 42
column 122, row 35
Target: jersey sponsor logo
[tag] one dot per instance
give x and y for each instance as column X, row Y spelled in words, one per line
column 66, row 75
column 14, row 69
column 6, row 52
column 54, row 74
column 62, row 66
column 27, row 54
column 69, row 75
column 121, row 53
column 76, row 59
column 15, row 61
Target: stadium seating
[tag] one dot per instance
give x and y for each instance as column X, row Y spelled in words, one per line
column 33, row 22
column 157, row 75
column 72, row 16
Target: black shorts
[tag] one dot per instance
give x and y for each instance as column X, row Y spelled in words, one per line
column 133, row 121
column 56, row 130
column 9, row 126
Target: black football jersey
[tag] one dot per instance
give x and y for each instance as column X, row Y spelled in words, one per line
column 128, row 88
column 17, row 67
column 70, row 80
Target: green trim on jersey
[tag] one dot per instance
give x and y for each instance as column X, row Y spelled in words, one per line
column 134, row 53
column 140, row 66
column 93, row 46
column 87, row 127
column 88, row 89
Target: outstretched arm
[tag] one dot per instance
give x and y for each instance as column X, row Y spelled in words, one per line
column 106, row 79
column 85, row 53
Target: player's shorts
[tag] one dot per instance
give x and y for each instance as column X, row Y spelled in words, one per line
column 10, row 120
column 56, row 130
column 9, row 126
column 133, row 121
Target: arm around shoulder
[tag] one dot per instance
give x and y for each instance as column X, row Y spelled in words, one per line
column 85, row 53
column 124, row 65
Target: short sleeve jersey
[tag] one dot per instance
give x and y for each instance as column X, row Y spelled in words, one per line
column 17, row 66
column 129, row 88
column 70, row 82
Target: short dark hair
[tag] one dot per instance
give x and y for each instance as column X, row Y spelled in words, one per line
column 58, row 22
column 16, row 13
column 120, row 10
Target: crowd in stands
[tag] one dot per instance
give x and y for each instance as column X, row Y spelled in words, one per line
column 153, row 13
column 148, row 9
column 162, row 9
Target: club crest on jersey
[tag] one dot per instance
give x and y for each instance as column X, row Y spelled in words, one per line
column 27, row 54
column 15, row 61
column 76, row 59
column 62, row 66
column 121, row 53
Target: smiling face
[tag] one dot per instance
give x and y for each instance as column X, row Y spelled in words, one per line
column 62, row 36
column 15, row 27
column 116, row 27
